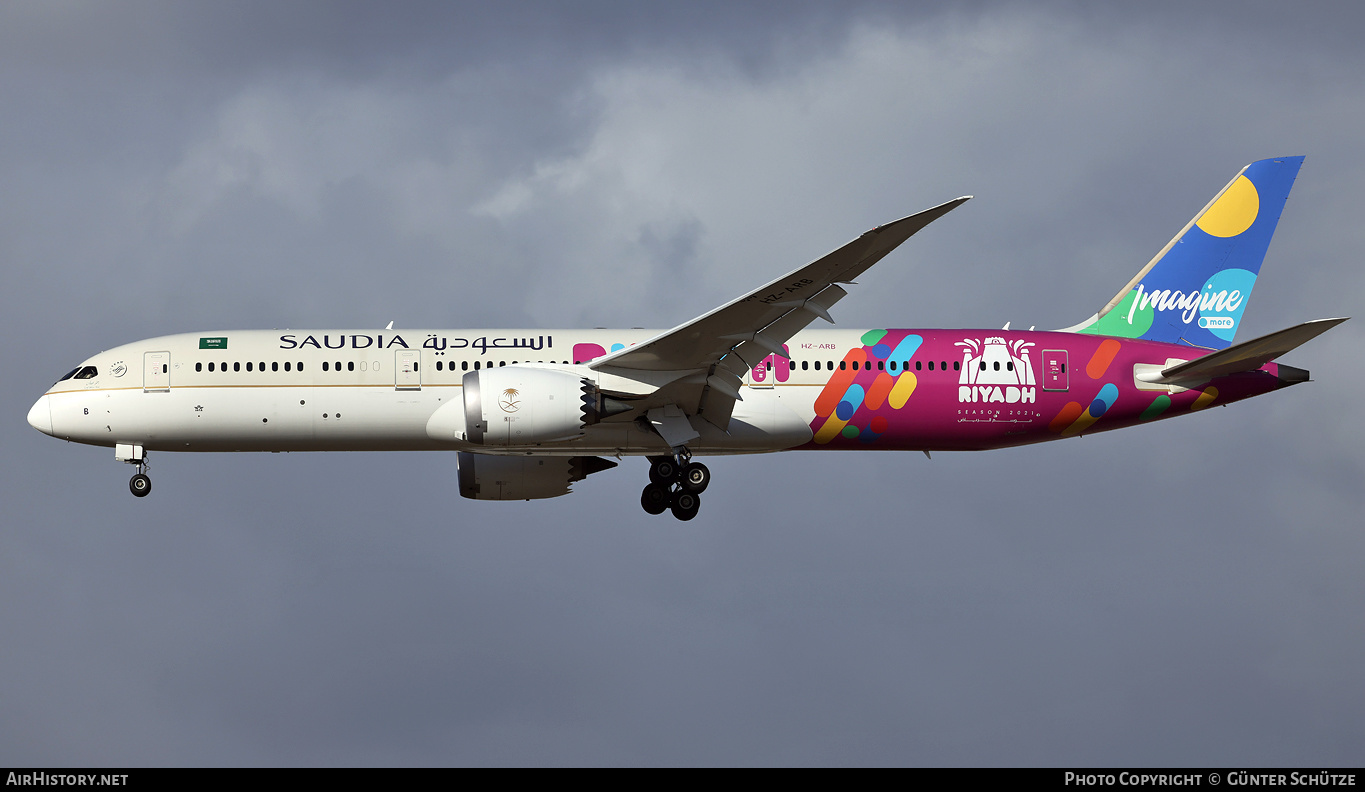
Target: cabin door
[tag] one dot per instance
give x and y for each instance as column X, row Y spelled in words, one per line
column 156, row 372
column 762, row 375
column 407, row 369
column 1055, row 376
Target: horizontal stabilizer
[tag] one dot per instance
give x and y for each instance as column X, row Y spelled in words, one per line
column 1246, row 356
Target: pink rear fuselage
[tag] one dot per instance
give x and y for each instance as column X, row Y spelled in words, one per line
column 994, row 389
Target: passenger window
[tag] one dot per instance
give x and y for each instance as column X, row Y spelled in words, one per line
column 248, row 365
column 274, row 365
column 957, row 365
column 502, row 362
column 286, row 365
column 476, row 365
column 931, row 365
column 464, row 365
column 943, row 365
column 236, row 366
column 983, row 365
column 996, row 365
column 210, row 365
column 350, row 365
column 919, row 366
column 843, row 364
column 439, row 365
column 804, row 365
column 881, row 365
column 262, row 368
column 300, row 365
column 324, row 365
column 1009, row 366
column 198, row 366
column 1063, row 368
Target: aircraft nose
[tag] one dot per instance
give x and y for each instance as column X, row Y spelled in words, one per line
column 40, row 415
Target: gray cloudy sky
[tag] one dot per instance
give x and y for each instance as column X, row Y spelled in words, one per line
column 1186, row 593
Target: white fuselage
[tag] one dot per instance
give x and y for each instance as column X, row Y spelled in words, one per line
column 370, row 390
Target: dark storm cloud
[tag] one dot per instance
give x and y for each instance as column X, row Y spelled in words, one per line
column 1180, row 594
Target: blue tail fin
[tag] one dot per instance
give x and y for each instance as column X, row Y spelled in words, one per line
column 1194, row 290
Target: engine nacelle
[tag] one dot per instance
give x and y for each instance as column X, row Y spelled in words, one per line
column 519, row 406
column 484, row 477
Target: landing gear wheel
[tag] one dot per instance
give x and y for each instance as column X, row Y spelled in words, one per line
column 655, row 499
column 696, row 477
column 140, row 485
column 663, row 472
column 685, row 505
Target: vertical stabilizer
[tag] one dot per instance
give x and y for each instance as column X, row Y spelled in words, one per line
column 1195, row 289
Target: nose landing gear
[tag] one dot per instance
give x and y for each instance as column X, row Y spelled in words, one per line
column 140, row 484
column 676, row 484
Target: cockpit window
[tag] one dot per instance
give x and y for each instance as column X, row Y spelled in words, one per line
column 68, row 375
column 88, row 372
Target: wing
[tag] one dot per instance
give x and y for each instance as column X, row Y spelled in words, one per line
column 710, row 354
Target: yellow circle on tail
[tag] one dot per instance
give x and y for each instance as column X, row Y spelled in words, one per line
column 1234, row 211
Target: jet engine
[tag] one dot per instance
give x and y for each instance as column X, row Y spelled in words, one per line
column 518, row 406
column 484, row 477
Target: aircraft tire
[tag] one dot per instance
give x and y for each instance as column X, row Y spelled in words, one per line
column 655, row 499
column 140, row 485
column 686, row 505
column 663, row 472
column 696, row 477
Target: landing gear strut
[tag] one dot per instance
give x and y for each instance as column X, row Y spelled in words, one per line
column 676, row 483
column 140, row 484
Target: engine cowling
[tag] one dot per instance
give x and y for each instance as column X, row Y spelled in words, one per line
column 519, row 406
column 484, row 477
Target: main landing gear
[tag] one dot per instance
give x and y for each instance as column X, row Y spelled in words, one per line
column 676, row 483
